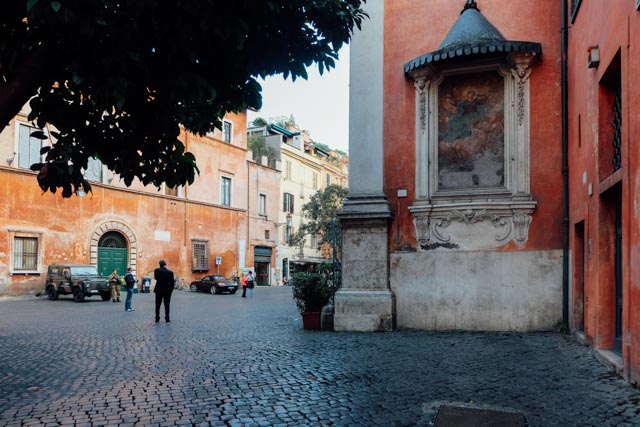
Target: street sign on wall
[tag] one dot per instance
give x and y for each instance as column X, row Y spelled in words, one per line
column 218, row 260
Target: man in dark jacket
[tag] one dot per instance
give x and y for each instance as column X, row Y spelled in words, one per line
column 163, row 289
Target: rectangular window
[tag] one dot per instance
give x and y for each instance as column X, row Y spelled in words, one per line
column 288, row 231
column 199, row 255
column 225, row 191
column 314, row 241
column 314, row 180
column 287, row 203
column 28, row 147
column 262, row 204
column 25, row 254
column 94, row 170
column 266, row 234
column 227, row 131
column 328, row 180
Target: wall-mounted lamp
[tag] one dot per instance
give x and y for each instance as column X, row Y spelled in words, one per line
column 10, row 160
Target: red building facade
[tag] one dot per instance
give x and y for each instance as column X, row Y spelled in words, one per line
column 495, row 170
column 604, row 170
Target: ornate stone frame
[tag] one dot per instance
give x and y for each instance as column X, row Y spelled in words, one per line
column 474, row 218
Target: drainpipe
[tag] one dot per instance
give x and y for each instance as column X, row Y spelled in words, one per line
column 565, row 170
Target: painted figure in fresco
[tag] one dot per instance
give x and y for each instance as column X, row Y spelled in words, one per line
column 471, row 132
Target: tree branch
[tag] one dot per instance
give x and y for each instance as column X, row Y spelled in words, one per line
column 23, row 85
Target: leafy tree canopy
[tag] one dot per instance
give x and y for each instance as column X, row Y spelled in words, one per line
column 116, row 78
column 319, row 213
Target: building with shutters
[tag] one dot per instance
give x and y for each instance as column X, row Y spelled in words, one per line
column 118, row 226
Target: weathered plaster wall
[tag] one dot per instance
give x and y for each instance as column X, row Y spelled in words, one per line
column 480, row 290
column 614, row 28
column 68, row 226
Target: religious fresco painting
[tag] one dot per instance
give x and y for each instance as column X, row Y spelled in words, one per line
column 471, row 131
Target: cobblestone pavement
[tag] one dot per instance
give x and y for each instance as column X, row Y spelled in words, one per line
column 226, row 360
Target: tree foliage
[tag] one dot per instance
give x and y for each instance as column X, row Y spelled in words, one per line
column 117, row 78
column 319, row 213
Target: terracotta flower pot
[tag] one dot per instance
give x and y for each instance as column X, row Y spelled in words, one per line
column 311, row 320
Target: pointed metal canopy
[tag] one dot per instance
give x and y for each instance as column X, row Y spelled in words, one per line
column 471, row 37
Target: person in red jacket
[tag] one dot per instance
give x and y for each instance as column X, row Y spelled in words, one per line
column 243, row 282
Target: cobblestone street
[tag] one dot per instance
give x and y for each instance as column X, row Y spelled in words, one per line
column 227, row 360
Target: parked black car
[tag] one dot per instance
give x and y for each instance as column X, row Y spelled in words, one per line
column 214, row 284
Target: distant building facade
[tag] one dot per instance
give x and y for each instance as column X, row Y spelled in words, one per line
column 306, row 169
column 119, row 226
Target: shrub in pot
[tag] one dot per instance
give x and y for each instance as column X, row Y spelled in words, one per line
column 311, row 293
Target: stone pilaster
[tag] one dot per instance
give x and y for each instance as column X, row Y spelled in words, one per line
column 365, row 302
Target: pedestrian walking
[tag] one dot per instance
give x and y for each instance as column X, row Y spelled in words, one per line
column 251, row 283
column 163, row 289
column 130, row 281
column 114, row 281
column 243, row 282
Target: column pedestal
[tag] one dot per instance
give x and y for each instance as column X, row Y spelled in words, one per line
column 365, row 302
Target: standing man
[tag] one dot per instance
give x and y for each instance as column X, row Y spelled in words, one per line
column 251, row 283
column 163, row 289
column 130, row 282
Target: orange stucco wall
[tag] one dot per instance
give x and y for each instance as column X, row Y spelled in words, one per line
column 614, row 28
column 145, row 216
column 411, row 29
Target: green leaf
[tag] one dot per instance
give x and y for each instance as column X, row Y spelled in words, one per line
column 56, row 5
column 31, row 4
column 38, row 134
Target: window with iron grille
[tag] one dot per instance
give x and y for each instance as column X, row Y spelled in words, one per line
column 617, row 127
column 28, row 147
column 225, row 191
column 227, row 131
column 287, row 203
column 199, row 255
column 25, row 254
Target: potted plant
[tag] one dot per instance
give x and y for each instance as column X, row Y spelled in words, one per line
column 311, row 293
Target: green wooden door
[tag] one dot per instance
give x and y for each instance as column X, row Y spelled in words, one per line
column 110, row 258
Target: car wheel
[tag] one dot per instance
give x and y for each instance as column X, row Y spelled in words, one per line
column 78, row 295
column 52, row 294
column 213, row 290
column 193, row 288
column 106, row 296
column 233, row 291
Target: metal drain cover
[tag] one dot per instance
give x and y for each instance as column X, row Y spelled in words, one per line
column 455, row 416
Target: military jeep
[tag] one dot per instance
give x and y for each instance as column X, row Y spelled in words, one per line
column 78, row 280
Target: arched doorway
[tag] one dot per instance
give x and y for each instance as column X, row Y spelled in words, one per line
column 112, row 253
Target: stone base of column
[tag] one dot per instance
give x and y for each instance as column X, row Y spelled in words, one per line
column 364, row 310
column 365, row 302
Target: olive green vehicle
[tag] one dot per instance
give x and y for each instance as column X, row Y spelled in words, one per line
column 78, row 280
